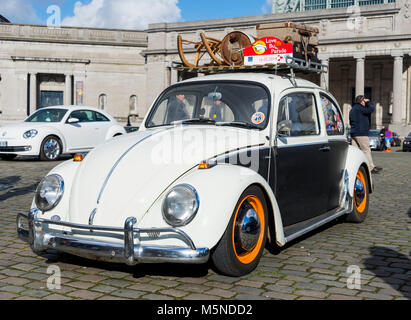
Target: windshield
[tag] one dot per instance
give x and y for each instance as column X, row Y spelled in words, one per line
column 374, row 133
column 220, row 103
column 47, row 115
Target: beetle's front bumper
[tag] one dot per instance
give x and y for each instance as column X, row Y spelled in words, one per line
column 42, row 238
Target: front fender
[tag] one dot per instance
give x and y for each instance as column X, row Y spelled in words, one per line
column 219, row 189
column 49, row 131
column 67, row 170
column 355, row 159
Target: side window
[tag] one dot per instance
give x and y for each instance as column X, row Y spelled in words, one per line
column 297, row 115
column 333, row 118
column 83, row 115
column 100, row 117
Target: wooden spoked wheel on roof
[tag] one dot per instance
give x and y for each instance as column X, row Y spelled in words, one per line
column 213, row 47
column 199, row 49
column 232, row 48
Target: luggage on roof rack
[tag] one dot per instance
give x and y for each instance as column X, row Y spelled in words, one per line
column 291, row 65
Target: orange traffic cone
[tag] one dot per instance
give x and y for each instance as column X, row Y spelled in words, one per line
column 388, row 146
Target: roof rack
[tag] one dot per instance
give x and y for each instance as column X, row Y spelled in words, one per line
column 292, row 65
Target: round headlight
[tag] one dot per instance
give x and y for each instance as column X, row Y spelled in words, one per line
column 30, row 134
column 49, row 192
column 180, row 205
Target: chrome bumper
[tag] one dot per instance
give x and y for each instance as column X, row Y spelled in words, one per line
column 128, row 252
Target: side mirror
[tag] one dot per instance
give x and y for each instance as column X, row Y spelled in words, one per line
column 73, row 120
column 284, row 127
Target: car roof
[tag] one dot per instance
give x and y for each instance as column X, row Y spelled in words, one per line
column 74, row 107
column 282, row 82
column 71, row 107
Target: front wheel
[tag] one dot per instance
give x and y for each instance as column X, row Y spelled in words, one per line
column 361, row 198
column 242, row 244
column 51, row 149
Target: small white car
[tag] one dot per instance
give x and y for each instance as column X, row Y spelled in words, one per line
column 221, row 164
column 53, row 131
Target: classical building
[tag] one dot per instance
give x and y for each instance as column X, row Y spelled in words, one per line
column 42, row 66
column 367, row 49
column 282, row 6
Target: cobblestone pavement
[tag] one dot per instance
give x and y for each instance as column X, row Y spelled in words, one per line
column 314, row 267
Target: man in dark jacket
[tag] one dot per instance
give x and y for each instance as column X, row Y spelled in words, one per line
column 360, row 122
column 177, row 109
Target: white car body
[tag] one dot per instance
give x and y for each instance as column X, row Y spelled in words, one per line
column 74, row 137
column 122, row 179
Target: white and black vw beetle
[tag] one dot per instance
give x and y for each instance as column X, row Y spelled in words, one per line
column 221, row 164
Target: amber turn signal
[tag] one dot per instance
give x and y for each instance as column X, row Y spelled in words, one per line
column 78, row 157
column 204, row 165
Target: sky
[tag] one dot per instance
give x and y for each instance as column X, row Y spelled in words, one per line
column 126, row 14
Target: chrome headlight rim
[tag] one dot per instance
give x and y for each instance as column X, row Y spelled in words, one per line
column 30, row 134
column 186, row 220
column 59, row 193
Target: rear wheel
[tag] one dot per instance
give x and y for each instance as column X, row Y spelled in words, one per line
column 50, row 148
column 361, row 198
column 243, row 242
column 8, row 157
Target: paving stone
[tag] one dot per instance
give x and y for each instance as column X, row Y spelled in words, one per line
column 127, row 293
column 85, row 294
column 311, row 293
column 279, row 295
column 174, row 293
column 221, row 293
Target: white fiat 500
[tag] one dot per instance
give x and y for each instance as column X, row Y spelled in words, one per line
column 52, row 131
column 221, row 165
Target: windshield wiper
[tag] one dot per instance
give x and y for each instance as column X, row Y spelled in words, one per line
column 198, row 120
column 238, row 124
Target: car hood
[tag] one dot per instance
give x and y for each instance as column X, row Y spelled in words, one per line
column 16, row 130
column 124, row 176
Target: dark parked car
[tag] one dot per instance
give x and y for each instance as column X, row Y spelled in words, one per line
column 375, row 140
column 406, row 145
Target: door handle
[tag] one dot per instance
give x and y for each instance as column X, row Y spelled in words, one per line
column 325, row 148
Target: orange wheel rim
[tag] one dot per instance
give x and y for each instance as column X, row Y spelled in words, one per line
column 360, row 195
column 247, row 255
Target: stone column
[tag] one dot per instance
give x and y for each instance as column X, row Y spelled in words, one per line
column 396, row 118
column 67, row 91
column 325, row 77
column 359, row 75
column 376, row 116
column 33, row 92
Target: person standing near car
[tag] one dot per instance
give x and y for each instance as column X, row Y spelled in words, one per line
column 360, row 122
column 382, row 137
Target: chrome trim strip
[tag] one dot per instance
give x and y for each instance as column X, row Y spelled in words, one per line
column 315, row 225
column 309, row 143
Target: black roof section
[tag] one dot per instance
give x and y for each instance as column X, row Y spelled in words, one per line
column 3, row 19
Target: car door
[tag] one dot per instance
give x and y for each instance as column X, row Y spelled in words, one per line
column 334, row 127
column 299, row 181
column 80, row 135
column 101, row 126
